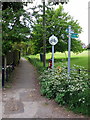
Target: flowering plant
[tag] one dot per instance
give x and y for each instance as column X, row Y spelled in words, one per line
column 72, row 91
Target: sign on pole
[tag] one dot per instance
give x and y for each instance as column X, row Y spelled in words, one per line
column 71, row 34
column 74, row 35
column 67, row 30
column 53, row 41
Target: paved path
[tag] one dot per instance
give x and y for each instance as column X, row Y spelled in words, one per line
column 23, row 100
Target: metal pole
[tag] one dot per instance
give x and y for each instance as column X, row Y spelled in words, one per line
column 52, row 56
column 44, row 36
column 69, row 49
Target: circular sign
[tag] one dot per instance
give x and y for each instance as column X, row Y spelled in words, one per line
column 53, row 40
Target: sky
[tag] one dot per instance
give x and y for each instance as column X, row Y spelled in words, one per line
column 78, row 9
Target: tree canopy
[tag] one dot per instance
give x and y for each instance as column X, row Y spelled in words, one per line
column 14, row 24
column 57, row 21
column 18, row 24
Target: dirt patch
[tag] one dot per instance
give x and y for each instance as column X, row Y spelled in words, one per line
column 30, row 95
column 13, row 106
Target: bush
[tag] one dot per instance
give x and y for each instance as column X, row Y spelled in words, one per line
column 72, row 91
column 37, row 63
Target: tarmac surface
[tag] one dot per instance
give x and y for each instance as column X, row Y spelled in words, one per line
column 23, row 99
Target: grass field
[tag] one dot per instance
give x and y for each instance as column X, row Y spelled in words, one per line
column 78, row 59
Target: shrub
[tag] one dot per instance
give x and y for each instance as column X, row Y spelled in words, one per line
column 72, row 91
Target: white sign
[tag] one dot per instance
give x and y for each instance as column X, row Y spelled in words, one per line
column 53, row 40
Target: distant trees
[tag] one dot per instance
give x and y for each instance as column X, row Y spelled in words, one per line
column 57, row 22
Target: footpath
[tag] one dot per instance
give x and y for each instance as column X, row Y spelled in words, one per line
column 23, row 99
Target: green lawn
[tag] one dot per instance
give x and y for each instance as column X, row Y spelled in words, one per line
column 78, row 59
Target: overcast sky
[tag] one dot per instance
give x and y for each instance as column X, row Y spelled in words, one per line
column 79, row 10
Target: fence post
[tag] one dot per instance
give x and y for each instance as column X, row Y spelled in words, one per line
column 79, row 71
column 3, row 75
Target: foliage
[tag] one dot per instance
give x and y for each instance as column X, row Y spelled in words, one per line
column 71, row 91
column 50, row 82
column 14, row 24
column 37, row 63
column 15, row 7
column 57, row 22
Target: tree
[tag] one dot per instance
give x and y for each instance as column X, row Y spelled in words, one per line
column 57, row 21
column 15, row 26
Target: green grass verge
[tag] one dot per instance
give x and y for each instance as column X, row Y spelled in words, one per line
column 78, row 59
